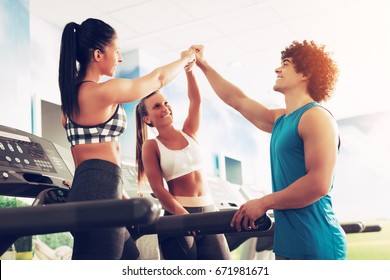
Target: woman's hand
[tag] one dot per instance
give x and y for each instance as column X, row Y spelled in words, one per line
column 188, row 67
column 189, row 54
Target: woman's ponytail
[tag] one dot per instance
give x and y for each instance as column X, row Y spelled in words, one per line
column 78, row 43
column 142, row 135
column 68, row 69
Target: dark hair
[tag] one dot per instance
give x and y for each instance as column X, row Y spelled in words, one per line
column 311, row 60
column 78, row 44
column 142, row 134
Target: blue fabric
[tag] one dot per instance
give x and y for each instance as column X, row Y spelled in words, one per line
column 312, row 232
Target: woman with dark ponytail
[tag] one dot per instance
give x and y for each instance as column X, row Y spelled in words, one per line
column 94, row 118
column 174, row 156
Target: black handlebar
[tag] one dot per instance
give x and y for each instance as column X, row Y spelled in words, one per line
column 199, row 223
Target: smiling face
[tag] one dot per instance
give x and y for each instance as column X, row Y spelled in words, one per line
column 159, row 110
column 287, row 77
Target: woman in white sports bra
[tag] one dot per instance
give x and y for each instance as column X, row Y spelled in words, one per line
column 94, row 119
column 174, row 156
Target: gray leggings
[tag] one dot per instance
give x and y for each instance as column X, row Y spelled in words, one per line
column 95, row 180
column 200, row 247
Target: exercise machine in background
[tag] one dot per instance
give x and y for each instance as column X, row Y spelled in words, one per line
column 31, row 167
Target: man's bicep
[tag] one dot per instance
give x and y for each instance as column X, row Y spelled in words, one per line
column 320, row 138
column 259, row 115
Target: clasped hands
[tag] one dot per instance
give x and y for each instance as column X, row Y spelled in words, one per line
column 195, row 52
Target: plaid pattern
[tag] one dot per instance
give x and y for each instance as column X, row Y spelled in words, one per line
column 105, row 132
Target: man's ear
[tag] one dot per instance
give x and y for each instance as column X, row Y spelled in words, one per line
column 97, row 54
column 306, row 76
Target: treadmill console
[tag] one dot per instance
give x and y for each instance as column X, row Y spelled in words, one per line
column 29, row 164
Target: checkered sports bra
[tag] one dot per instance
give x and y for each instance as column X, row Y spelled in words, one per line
column 108, row 131
column 177, row 163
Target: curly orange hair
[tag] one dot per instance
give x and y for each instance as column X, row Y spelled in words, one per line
column 312, row 60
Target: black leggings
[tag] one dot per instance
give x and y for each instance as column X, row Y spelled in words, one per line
column 95, row 180
column 200, row 247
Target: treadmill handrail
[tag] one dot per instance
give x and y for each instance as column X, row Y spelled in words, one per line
column 199, row 223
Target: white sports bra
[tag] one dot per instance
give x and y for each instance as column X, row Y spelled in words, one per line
column 177, row 163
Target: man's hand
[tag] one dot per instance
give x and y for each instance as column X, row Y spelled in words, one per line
column 247, row 214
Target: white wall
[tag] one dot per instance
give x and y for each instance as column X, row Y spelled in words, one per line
column 45, row 50
column 15, row 103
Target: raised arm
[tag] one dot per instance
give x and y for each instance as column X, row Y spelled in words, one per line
column 256, row 113
column 152, row 167
column 192, row 122
column 122, row 90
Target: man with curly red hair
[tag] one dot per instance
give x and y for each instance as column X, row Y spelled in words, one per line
column 304, row 150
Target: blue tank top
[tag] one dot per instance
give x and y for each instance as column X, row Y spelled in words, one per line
column 312, row 232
